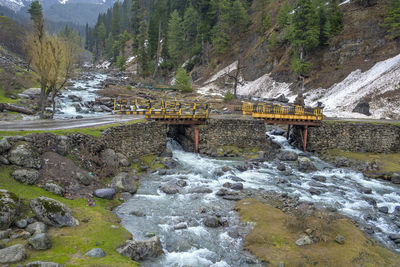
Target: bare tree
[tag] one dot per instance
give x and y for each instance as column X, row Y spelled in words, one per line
column 236, row 76
column 52, row 58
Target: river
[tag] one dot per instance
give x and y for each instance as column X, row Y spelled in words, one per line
column 178, row 219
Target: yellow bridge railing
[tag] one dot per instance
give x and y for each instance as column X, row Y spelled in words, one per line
column 282, row 112
column 163, row 109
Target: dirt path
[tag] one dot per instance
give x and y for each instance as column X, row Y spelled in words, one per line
column 39, row 125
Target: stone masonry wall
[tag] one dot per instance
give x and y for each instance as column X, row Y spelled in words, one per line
column 135, row 140
column 241, row 133
column 355, row 137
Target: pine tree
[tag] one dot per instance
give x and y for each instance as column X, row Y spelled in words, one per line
column 305, row 27
column 239, row 17
column 175, row 37
column 335, row 16
column 191, row 25
column 283, row 14
column 182, row 79
column 108, row 50
column 36, row 15
column 392, row 19
column 115, row 25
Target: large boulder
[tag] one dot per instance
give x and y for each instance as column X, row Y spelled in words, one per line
column 105, row 193
column 12, row 254
column 123, row 160
column 40, row 241
column 362, row 107
column 139, row 250
column 25, row 156
column 96, row 253
column 170, row 189
column 9, row 204
column 54, row 188
column 109, row 158
column 288, row 156
column 53, row 212
column 4, row 145
column 26, row 176
column 305, row 165
column 124, row 182
column 212, row 221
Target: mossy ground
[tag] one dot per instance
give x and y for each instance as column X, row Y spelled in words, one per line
column 386, row 162
column 71, row 243
column 92, row 131
column 273, row 240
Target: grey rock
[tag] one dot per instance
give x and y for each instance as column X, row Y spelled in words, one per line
column 32, row 92
column 200, row 190
column 24, row 156
column 26, row 176
column 212, row 221
column 123, row 160
column 362, row 107
column 237, row 186
column 139, row 250
column 83, row 179
column 227, row 185
column 314, row 191
column 288, row 156
column 5, row 234
column 53, row 212
column 75, row 98
column 150, row 234
column 394, row 236
column 235, row 178
column 339, row 239
column 9, row 204
column 383, row 209
column 169, row 163
column 55, row 189
column 105, row 193
column 21, row 223
column 40, row 241
column 43, row 264
column 77, row 107
column 181, row 183
column 4, row 160
column 304, row 240
column 124, row 182
column 319, row 178
column 181, row 226
column 109, row 158
column 395, row 178
column 105, row 108
column 63, row 146
column 281, row 167
column 170, row 189
column 305, row 164
column 96, row 253
column 226, row 169
column 12, row 254
column 36, row 228
column 4, row 145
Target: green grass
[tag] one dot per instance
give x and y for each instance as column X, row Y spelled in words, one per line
column 92, row 131
column 386, row 162
column 71, row 243
column 4, row 99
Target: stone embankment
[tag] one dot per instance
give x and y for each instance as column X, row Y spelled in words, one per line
column 355, row 137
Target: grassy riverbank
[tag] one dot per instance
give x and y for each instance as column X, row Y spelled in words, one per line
column 95, row 131
column 387, row 162
column 275, row 233
column 98, row 227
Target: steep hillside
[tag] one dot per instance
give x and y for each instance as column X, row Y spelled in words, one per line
column 353, row 51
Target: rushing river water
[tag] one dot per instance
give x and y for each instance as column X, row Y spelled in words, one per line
column 197, row 245
column 85, row 88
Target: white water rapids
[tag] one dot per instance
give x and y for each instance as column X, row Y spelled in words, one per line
column 198, row 245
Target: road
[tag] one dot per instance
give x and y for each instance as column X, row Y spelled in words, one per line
column 41, row 125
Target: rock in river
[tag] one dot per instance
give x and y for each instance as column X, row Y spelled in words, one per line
column 124, row 182
column 53, row 212
column 139, row 250
column 305, row 165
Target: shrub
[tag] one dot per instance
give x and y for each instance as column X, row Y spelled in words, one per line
column 228, row 96
column 183, row 81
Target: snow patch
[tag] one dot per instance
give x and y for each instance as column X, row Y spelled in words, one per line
column 104, row 65
column 345, row 2
column 130, row 59
column 222, row 72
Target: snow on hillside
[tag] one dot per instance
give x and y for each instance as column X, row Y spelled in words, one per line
column 382, row 78
column 380, row 85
